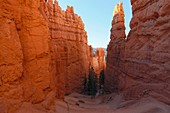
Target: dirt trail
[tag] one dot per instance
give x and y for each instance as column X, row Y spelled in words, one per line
column 76, row 103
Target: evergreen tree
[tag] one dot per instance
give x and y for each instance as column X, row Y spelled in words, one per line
column 101, row 81
column 101, row 78
column 92, row 82
column 85, row 84
column 94, row 85
column 89, row 84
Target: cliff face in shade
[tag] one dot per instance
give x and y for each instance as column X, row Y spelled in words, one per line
column 144, row 58
column 117, row 38
column 25, row 73
column 43, row 53
column 70, row 48
column 98, row 61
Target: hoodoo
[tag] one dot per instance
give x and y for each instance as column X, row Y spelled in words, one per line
column 139, row 66
column 98, row 60
column 114, row 49
column 43, row 53
column 47, row 66
column 25, row 59
column 70, row 51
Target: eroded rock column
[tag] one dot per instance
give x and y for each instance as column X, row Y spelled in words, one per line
column 140, row 66
column 114, row 49
column 25, row 74
column 98, row 62
column 70, row 48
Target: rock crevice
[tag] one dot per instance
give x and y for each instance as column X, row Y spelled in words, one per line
column 44, row 53
column 140, row 62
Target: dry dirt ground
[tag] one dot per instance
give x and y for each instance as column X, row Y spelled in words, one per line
column 76, row 103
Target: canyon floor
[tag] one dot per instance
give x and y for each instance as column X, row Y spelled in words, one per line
column 113, row 103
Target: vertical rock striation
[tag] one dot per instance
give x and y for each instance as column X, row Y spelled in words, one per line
column 117, row 39
column 144, row 57
column 25, row 53
column 98, row 62
column 70, row 48
column 43, row 53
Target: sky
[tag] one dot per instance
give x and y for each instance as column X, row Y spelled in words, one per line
column 97, row 16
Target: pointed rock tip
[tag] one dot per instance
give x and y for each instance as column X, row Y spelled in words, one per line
column 70, row 9
column 56, row 2
column 118, row 8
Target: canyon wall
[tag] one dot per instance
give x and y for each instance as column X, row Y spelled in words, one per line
column 43, row 53
column 25, row 73
column 142, row 67
column 70, row 48
column 98, row 61
column 117, row 38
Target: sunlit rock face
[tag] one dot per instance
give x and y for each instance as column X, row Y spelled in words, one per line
column 70, row 49
column 24, row 54
column 98, row 62
column 117, row 38
column 43, row 53
column 142, row 65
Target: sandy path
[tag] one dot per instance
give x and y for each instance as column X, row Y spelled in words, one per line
column 76, row 103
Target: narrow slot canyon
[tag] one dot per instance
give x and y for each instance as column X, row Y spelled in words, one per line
column 48, row 66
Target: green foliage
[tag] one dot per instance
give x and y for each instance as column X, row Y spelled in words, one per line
column 101, row 78
column 101, row 82
column 85, row 84
column 92, row 83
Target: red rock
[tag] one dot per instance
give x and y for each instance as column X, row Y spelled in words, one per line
column 25, row 74
column 114, row 49
column 43, row 52
column 70, row 48
column 144, row 57
column 99, row 61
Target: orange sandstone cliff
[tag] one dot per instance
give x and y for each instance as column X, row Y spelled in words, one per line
column 25, row 59
column 70, row 51
column 98, row 61
column 117, row 38
column 140, row 65
column 43, row 53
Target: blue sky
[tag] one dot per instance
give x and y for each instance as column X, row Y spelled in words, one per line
column 97, row 16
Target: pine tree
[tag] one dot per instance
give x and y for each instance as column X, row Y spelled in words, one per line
column 92, row 83
column 89, row 84
column 85, row 84
column 101, row 78
column 101, row 81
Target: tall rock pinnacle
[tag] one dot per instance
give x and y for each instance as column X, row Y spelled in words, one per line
column 139, row 66
column 114, row 48
column 118, row 27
